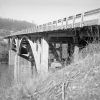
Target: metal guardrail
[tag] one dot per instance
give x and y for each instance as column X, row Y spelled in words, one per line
column 78, row 20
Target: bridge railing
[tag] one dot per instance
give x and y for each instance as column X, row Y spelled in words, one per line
column 79, row 20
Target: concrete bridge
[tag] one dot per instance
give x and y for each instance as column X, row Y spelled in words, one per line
column 32, row 51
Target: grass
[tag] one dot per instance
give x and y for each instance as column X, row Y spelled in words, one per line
column 81, row 81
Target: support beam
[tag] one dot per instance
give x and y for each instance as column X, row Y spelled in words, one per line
column 10, row 45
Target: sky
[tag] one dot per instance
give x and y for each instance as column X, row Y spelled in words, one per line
column 43, row 11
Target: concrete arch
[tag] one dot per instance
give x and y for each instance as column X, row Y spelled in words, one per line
column 33, row 48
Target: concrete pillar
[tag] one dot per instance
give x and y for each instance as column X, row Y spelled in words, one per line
column 45, row 55
column 13, row 59
column 16, row 63
column 76, row 54
column 9, row 51
column 39, row 51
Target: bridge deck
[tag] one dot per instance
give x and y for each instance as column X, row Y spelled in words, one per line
column 89, row 18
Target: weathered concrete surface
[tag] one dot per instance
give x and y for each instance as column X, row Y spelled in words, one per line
column 24, row 71
column 44, row 60
column 12, row 55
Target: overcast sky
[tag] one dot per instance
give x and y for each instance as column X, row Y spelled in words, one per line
column 42, row 11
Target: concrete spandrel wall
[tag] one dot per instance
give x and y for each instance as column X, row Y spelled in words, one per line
column 12, row 55
column 24, row 70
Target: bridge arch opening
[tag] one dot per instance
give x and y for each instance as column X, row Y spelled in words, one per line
column 25, row 51
column 14, row 44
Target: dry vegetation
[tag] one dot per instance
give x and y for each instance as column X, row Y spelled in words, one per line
column 78, row 81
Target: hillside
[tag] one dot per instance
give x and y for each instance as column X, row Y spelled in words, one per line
column 10, row 25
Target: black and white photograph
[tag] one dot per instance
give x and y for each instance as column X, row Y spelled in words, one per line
column 49, row 49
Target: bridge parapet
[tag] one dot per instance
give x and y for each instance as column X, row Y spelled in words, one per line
column 79, row 20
